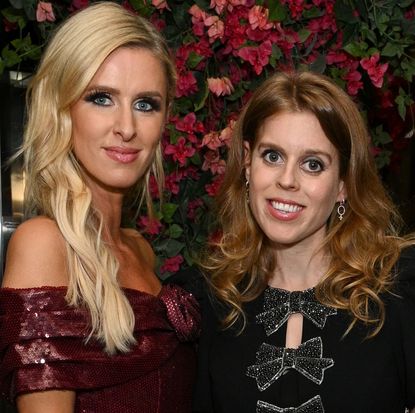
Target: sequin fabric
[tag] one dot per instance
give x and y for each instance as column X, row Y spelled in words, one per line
column 313, row 405
column 280, row 304
column 272, row 362
column 42, row 346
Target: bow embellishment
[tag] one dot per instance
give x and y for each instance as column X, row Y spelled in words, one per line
column 313, row 405
column 280, row 304
column 272, row 362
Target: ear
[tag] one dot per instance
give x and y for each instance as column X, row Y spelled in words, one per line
column 342, row 195
column 247, row 159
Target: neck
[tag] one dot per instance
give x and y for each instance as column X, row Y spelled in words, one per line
column 298, row 269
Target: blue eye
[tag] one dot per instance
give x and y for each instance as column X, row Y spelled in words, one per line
column 99, row 98
column 147, row 105
column 313, row 165
column 271, row 156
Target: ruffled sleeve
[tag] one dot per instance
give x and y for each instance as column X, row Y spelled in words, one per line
column 406, row 304
column 43, row 340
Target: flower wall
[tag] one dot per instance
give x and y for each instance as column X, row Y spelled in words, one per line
column 223, row 50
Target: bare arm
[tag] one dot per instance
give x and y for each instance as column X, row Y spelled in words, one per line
column 36, row 258
column 52, row 401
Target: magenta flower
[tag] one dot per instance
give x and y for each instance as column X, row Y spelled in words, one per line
column 186, row 84
column 172, row 264
column 376, row 72
column 258, row 18
column 151, row 226
column 257, row 56
column 180, row 152
column 44, row 12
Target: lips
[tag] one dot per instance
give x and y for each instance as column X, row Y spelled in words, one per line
column 121, row 154
column 284, row 210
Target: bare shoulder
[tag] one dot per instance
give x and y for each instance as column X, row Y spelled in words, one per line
column 36, row 255
column 143, row 246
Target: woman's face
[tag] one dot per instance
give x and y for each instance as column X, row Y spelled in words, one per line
column 294, row 183
column 118, row 121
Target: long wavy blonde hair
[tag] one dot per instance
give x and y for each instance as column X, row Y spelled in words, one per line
column 55, row 185
column 363, row 247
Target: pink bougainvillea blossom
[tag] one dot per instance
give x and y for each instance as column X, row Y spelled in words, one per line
column 258, row 57
column 220, row 86
column 189, row 124
column 354, row 83
column 171, row 264
column 180, row 152
column 151, row 226
column 376, row 72
column 186, row 84
column 78, row 4
column 213, row 163
column 213, row 188
column 216, row 28
column 44, row 12
column 192, row 207
column 218, row 5
column 258, row 18
column 160, row 4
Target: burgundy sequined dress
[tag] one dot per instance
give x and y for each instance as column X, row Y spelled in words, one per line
column 42, row 347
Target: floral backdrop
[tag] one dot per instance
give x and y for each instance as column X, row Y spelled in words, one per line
column 223, row 50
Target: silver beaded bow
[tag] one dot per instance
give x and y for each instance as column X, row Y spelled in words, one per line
column 272, row 362
column 280, row 304
column 313, row 405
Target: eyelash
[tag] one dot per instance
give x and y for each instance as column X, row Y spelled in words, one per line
column 95, row 95
column 267, row 152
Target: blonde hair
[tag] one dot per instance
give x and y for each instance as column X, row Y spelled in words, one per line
column 363, row 247
column 55, row 186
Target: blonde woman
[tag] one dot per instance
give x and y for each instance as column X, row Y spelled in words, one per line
column 85, row 325
column 313, row 291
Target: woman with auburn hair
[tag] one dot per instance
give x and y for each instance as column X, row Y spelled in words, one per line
column 85, row 324
column 312, row 304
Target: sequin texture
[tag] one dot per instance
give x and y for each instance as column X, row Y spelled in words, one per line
column 313, row 405
column 280, row 304
column 272, row 362
column 42, row 346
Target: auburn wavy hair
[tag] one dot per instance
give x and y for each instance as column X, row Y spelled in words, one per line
column 363, row 247
column 55, row 186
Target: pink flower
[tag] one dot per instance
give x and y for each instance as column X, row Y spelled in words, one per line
column 153, row 187
column 258, row 57
column 180, row 152
column 192, row 207
column 354, row 83
column 171, row 183
column 375, row 72
column 172, row 264
column 258, row 18
column 220, row 86
column 335, row 56
column 213, row 188
column 218, row 5
column 44, row 12
column 160, row 4
column 150, row 226
column 212, row 140
column 78, row 4
column 213, row 163
column 189, row 124
column 186, row 84
column 216, row 28
column 8, row 26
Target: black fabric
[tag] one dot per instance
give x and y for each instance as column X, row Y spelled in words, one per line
column 369, row 375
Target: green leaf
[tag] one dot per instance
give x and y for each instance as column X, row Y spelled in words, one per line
column 201, row 97
column 10, row 57
column 17, row 4
column 383, row 159
column 381, row 137
column 194, row 59
column 142, row 8
column 390, row 49
column 408, row 26
column 356, row 49
column 195, row 159
column 313, row 13
column 344, row 12
column 319, row 65
column 277, row 12
column 408, row 67
column 303, row 34
column 275, row 55
column 168, row 210
column 29, row 6
column 403, row 100
column 175, row 231
column 173, row 247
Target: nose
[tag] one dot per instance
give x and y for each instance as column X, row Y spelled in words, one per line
column 125, row 123
column 287, row 177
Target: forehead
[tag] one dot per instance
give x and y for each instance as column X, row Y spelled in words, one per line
column 131, row 66
column 300, row 131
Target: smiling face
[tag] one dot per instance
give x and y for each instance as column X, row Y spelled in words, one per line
column 294, row 183
column 119, row 119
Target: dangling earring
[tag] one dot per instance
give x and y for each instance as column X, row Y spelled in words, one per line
column 341, row 210
column 247, row 191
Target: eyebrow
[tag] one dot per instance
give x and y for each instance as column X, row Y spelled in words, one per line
column 114, row 91
column 307, row 152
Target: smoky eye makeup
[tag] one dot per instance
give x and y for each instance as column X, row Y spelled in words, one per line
column 99, row 97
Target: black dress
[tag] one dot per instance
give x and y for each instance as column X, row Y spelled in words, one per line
column 253, row 372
